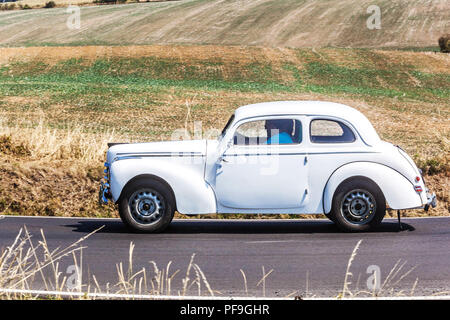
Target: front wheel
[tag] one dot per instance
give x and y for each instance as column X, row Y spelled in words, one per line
column 147, row 206
column 358, row 205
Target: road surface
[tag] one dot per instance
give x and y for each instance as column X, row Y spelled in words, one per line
column 308, row 257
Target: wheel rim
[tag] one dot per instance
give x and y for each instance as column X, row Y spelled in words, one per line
column 146, row 206
column 358, row 206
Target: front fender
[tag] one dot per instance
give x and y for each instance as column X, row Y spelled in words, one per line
column 192, row 194
column 398, row 191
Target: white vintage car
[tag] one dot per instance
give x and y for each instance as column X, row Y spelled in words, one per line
column 296, row 157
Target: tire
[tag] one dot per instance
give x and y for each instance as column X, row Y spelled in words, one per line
column 358, row 205
column 147, row 206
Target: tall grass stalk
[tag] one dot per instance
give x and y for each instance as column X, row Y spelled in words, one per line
column 23, row 260
column 348, row 274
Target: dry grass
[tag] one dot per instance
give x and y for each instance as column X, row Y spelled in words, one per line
column 348, row 274
column 40, row 143
column 24, row 261
column 56, row 171
column 52, row 171
column 160, row 282
column 25, row 264
column 285, row 23
column 387, row 288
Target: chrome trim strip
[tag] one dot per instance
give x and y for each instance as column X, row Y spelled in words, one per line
column 162, row 154
column 139, row 156
column 295, row 153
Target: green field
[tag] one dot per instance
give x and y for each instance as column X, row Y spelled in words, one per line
column 60, row 104
column 105, row 87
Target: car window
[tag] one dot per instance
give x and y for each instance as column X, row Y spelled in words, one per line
column 269, row 131
column 330, row 131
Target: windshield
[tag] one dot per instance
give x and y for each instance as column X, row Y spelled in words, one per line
column 224, row 131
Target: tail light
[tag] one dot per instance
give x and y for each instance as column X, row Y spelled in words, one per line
column 418, row 188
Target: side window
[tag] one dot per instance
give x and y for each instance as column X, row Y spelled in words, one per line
column 330, row 131
column 270, row 131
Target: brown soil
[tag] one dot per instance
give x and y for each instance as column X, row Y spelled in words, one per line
column 228, row 55
column 287, row 23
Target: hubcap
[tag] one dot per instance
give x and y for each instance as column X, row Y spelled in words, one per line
column 146, row 206
column 358, row 207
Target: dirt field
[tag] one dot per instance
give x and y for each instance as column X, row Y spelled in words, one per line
column 65, row 3
column 60, row 105
column 272, row 23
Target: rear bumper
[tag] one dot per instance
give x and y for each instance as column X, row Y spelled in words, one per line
column 431, row 201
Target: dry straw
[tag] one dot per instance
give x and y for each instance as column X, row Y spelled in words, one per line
column 24, row 262
column 75, row 142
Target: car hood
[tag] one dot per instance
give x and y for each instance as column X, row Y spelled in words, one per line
column 149, row 149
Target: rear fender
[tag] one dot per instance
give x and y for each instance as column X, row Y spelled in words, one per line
column 397, row 190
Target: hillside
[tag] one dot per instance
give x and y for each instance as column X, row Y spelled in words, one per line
column 59, row 106
column 273, row 23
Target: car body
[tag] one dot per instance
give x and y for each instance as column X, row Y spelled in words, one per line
column 332, row 149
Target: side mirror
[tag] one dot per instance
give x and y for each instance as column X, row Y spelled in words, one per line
column 228, row 145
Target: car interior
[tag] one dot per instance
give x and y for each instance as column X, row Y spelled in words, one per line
column 258, row 136
column 327, row 133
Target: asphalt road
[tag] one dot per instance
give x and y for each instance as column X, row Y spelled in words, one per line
column 308, row 257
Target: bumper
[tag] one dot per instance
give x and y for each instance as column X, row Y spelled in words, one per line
column 431, row 201
column 103, row 194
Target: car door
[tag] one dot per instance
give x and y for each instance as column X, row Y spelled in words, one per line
column 251, row 174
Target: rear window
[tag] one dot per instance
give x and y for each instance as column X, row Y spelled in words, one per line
column 330, row 131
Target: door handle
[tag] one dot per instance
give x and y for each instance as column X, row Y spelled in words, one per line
column 306, row 160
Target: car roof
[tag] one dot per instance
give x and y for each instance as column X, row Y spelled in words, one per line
column 312, row 108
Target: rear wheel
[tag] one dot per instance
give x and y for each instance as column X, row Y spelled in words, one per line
column 358, row 205
column 147, row 206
